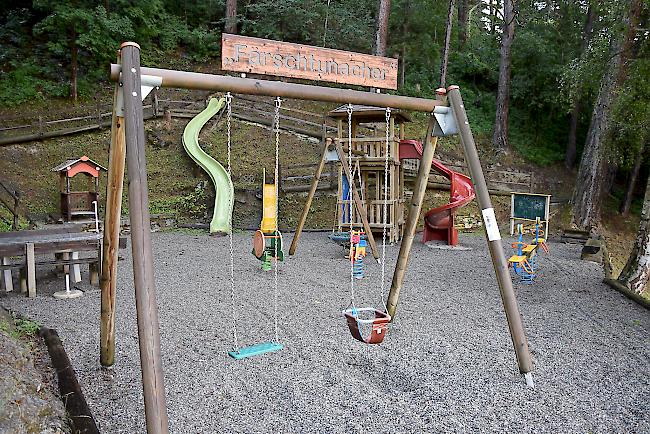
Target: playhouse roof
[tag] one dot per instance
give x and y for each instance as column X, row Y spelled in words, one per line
column 74, row 161
column 367, row 113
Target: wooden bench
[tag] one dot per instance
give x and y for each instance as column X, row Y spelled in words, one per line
column 66, row 242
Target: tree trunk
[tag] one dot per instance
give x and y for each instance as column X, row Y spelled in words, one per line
column 631, row 184
column 627, row 48
column 381, row 36
column 74, row 54
column 571, row 152
column 405, row 36
column 636, row 272
column 589, row 183
column 493, row 15
column 445, row 49
column 463, row 18
column 231, row 16
column 402, row 75
column 587, row 196
column 500, row 137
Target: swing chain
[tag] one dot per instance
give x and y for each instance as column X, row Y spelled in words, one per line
column 278, row 104
column 351, row 187
column 385, row 212
column 232, row 252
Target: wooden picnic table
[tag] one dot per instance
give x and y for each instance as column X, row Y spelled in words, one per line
column 66, row 241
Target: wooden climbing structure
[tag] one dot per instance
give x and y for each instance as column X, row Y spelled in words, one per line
column 369, row 130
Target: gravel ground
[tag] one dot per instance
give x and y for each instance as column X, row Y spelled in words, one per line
column 447, row 363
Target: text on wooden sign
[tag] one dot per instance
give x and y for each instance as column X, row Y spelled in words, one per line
column 263, row 56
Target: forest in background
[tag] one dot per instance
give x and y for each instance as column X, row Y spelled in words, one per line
column 560, row 51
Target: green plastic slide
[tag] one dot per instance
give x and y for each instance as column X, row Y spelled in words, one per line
column 224, row 190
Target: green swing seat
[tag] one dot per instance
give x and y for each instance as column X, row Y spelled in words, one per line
column 254, row 350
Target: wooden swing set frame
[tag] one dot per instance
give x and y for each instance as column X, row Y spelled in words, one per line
column 128, row 143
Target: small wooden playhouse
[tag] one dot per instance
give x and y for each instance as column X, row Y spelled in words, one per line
column 78, row 204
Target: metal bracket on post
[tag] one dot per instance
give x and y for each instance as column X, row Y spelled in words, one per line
column 147, row 83
column 445, row 122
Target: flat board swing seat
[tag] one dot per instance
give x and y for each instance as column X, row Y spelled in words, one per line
column 379, row 324
column 254, row 350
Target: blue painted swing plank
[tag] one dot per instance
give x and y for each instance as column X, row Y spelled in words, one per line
column 254, row 350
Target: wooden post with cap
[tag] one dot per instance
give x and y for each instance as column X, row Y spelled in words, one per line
column 493, row 236
column 145, row 291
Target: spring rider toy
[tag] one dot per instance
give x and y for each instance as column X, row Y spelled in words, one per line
column 357, row 253
column 525, row 261
column 267, row 241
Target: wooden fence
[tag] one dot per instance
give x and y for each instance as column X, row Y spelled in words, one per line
column 499, row 181
column 297, row 178
column 20, row 129
column 10, row 199
column 261, row 110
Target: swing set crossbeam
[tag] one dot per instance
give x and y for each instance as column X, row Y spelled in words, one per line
column 251, row 86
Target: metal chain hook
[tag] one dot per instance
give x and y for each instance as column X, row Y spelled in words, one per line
column 385, row 210
column 350, row 189
column 232, row 252
column 278, row 104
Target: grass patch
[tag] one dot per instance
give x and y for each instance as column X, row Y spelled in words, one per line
column 20, row 329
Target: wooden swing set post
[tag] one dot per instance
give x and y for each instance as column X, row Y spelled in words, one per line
column 145, row 290
column 495, row 247
column 108, row 283
column 312, row 191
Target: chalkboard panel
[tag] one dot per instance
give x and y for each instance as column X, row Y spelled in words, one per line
column 529, row 206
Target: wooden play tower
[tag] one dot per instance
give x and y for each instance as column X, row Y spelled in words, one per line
column 368, row 127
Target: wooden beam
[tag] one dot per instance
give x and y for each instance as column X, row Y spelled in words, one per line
column 250, row 86
column 30, row 269
column 145, row 288
column 413, row 217
column 6, row 276
column 310, row 197
column 499, row 261
column 108, row 282
column 620, row 287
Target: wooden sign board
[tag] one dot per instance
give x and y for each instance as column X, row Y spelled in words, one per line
column 263, row 56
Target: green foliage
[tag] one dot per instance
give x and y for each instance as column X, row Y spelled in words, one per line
column 195, row 203
column 25, row 327
column 631, row 114
column 550, row 70
column 28, row 82
column 349, row 24
column 20, row 329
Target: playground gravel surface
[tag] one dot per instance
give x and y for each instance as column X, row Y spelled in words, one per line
column 447, row 364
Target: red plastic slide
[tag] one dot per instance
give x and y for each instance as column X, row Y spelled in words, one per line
column 439, row 222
